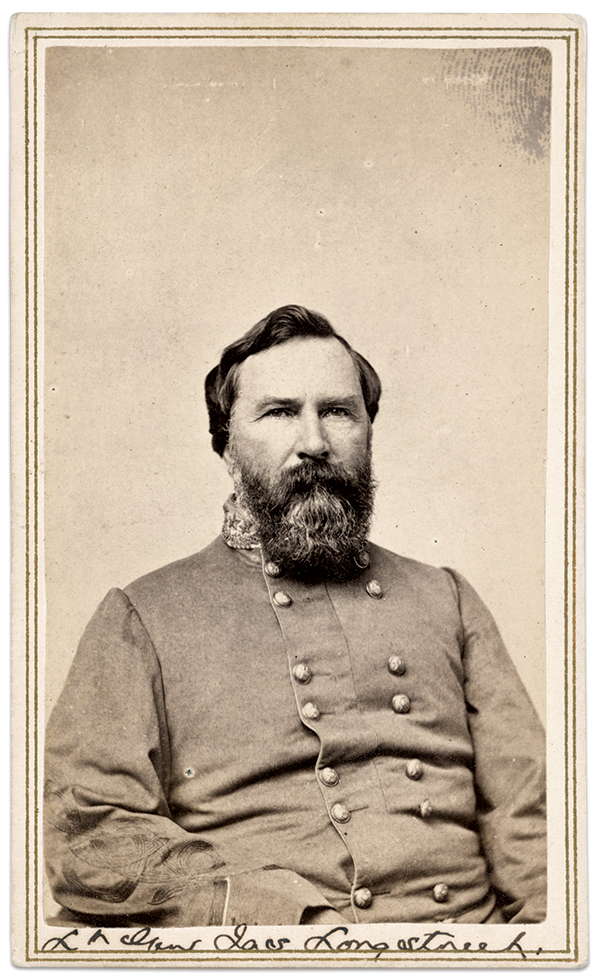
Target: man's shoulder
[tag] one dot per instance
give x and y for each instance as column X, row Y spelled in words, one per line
column 179, row 575
column 405, row 567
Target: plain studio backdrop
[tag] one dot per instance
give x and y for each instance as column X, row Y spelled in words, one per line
column 403, row 193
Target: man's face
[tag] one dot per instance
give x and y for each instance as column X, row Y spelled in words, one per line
column 299, row 454
column 299, row 400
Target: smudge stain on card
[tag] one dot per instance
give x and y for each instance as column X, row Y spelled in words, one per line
column 511, row 87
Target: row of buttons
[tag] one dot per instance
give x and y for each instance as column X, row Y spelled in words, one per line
column 400, row 704
column 363, row 897
column 400, row 701
column 362, row 560
column 341, row 813
column 303, row 674
column 283, row 600
column 414, row 771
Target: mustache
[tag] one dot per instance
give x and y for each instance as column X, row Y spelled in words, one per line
column 311, row 474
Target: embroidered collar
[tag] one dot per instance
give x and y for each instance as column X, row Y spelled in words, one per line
column 238, row 526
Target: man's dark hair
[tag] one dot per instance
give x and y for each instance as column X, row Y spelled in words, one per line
column 285, row 323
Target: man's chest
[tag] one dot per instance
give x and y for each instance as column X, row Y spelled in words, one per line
column 268, row 678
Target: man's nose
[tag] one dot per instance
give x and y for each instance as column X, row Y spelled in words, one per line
column 312, row 439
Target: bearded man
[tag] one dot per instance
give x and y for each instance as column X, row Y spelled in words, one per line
column 295, row 725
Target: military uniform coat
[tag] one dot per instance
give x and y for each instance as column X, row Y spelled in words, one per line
column 234, row 746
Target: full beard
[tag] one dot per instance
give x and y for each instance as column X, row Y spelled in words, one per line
column 313, row 519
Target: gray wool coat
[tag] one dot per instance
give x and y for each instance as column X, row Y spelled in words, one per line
column 234, row 746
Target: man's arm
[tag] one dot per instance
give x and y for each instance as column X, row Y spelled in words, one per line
column 509, row 746
column 113, row 851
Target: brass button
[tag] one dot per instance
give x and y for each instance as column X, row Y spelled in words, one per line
column 311, row 712
column 414, row 769
column 301, row 673
column 440, row 893
column 329, row 776
column 396, row 665
column 282, row 599
column 363, row 897
column 362, row 559
column 340, row 813
column 374, row 589
column 426, row 809
column 272, row 569
column 401, row 703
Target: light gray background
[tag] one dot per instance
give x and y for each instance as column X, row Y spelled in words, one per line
column 402, row 193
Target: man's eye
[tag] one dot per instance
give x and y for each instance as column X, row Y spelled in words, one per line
column 277, row 413
column 337, row 412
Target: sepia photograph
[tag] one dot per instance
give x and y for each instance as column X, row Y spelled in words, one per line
column 297, row 490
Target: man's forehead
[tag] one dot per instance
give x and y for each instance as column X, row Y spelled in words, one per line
column 320, row 364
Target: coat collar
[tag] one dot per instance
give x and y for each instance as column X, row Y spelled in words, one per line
column 239, row 529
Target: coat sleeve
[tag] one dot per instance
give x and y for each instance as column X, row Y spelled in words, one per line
column 113, row 852
column 509, row 759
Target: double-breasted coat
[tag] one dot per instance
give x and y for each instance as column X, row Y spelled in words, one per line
column 234, row 746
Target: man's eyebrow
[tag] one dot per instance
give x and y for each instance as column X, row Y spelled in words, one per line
column 275, row 402
column 350, row 401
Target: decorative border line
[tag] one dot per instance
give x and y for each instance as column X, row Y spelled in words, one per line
column 294, row 37
column 200, row 31
column 33, row 34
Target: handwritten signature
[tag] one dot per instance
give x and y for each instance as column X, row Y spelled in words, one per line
column 241, row 940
